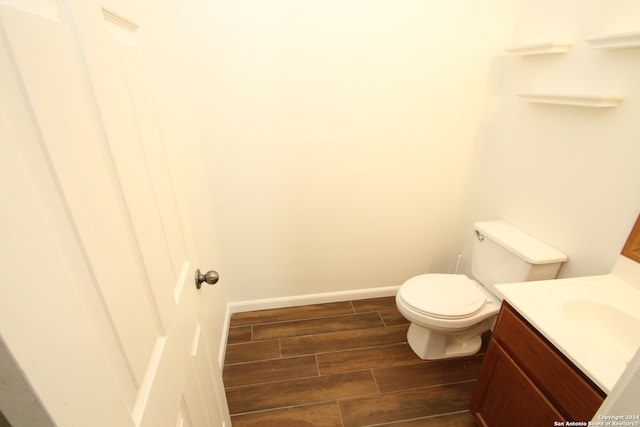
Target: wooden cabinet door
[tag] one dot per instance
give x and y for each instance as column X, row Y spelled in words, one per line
column 504, row 395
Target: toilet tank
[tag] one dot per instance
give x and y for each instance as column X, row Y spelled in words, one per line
column 502, row 253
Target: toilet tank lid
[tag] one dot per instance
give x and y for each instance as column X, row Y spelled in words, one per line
column 517, row 241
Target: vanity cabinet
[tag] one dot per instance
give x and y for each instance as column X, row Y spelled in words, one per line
column 525, row 380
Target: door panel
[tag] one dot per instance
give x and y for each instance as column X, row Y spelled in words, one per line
column 63, row 133
column 107, row 59
column 48, row 286
column 200, row 383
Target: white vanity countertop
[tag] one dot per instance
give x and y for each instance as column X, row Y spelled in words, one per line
column 586, row 332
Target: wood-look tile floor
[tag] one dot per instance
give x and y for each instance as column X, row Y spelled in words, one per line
column 340, row 364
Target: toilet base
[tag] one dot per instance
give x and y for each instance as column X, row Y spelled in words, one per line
column 431, row 345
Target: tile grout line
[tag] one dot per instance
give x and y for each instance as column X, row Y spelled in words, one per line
column 270, row 359
column 316, row 316
column 384, row 324
column 340, row 413
column 432, row 386
column 303, row 319
column 317, row 364
column 301, row 405
column 375, row 380
column 310, row 334
column 265, row 383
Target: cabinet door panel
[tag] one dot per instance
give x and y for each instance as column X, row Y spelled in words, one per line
column 505, row 396
column 556, row 376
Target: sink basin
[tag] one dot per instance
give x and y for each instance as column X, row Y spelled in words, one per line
column 607, row 322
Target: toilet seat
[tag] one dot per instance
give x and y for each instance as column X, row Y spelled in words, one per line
column 442, row 296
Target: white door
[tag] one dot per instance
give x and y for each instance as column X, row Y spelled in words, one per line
column 100, row 230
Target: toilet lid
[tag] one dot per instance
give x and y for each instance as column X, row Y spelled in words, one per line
column 449, row 296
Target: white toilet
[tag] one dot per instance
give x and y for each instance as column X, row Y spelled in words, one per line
column 449, row 312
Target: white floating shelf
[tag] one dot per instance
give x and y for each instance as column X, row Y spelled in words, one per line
column 540, row 48
column 615, row 41
column 579, row 100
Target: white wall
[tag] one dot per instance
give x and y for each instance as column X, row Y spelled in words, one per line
column 341, row 135
column 568, row 175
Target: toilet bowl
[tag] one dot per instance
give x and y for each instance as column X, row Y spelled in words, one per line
column 450, row 312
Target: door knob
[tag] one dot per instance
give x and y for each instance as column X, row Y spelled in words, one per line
column 211, row 277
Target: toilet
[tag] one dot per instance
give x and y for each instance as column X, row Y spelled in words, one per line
column 450, row 312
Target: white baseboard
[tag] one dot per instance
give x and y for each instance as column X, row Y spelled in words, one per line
column 292, row 301
column 222, row 351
